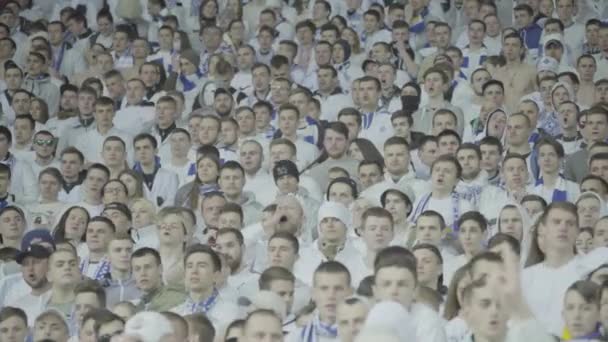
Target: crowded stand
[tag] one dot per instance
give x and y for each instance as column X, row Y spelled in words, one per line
column 303, row 170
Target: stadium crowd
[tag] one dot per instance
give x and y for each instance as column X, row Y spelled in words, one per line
column 303, row 170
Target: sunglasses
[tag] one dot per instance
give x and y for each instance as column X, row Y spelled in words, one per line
column 41, row 142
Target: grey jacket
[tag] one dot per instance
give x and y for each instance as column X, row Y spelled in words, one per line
column 42, row 87
column 576, row 166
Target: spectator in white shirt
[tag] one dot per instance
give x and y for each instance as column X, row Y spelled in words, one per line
column 230, row 242
column 12, row 226
column 395, row 280
column 23, row 181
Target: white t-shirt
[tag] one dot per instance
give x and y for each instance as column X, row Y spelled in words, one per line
column 544, row 287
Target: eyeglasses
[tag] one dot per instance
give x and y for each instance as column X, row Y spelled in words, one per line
column 42, row 142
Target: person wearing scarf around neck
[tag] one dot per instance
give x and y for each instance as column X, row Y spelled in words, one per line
column 560, row 92
column 551, row 185
column 189, row 76
column 38, row 81
column 202, row 270
column 331, row 285
column 443, row 198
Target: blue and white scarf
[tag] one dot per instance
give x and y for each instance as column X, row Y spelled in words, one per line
column 419, row 25
column 424, row 203
column 103, row 268
column 203, row 306
column 315, row 329
column 189, row 82
column 9, row 161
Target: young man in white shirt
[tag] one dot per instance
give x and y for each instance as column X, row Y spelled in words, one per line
column 230, row 243
column 44, row 145
column 551, row 185
column 231, row 182
column 377, row 232
column 99, row 233
column 202, row 268
column 491, row 156
column 398, row 173
column 333, row 242
column 34, row 263
column 395, row 280
column 180, row 162
column 164, row 124
column 90, row 191
column 474, row 179
column 90, row 143
column 288, row 121
column 282, row 282
column 23, row 181
column 64, row 275
column 443, row 198
column 546, row 282
column 160, row 184
column 331, row 285
column 377, row 126
column 258, row 180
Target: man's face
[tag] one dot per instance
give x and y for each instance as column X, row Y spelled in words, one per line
column 23, row 131
column 21, row 103
column 231, row 182
column 120, row 42
column 208, row 132
column 144, row 151
column 279, row 92
column 565, row 9
column 448, row 144
column 288, row 122
column 490, row 157
column 228, row 245
column 485, row 313
column 397, row 159
column 600, row 234
column 95, row 180
column 395, row 283
column 50, row 327
column 494, row 94
column 147, row 273
column 329, row 289
column 353, row 126
column 85, row 103
column 261, row 79
column 13, row 329
column 119, row 253
column 335, row 143
column 104, row 115
column 377, row 233
column 245, row 58
column 63, row 269
column 586, row 68
column 369, row 175
column 165, row 113
column 12, row 77
column 287, row 184
column 149, row 75
column 442, row 122
column 442, row 36
column 211, row 208
column 98, row 236
column 596, row 127
column 515, row 173
column 428, row 153
column 115, row 87
column 70, row 165
column 326, row 80
column 599, row 168
column 476, row 33
column 69, row 100
column 434, row 84
column 83, row 303
column 35, row 65
column 350, row 320
column 281, row 253
column 200, row 273
column 428, row 266
column 518, row 130
column 332, row 229
column 135, row 92
column 512, row 48
column 34, row 272
column 428, row 230
column 250, row 157
column 522, row 19
column 368, row 94
column 165, row 39
column 470, row 163
column 285, row 290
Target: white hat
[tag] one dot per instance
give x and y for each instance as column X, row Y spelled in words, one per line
column 335, row 210
column 553, row 37
column 149, row 326
column 547, row 64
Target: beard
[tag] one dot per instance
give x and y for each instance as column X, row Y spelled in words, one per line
column 40, row 283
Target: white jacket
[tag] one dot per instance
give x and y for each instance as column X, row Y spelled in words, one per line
column 163, row 189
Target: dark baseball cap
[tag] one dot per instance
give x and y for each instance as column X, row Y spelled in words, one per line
column 35, row 251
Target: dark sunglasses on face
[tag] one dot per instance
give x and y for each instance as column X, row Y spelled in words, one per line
column 43, row 142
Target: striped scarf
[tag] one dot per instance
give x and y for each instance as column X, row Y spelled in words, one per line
column 315, row 329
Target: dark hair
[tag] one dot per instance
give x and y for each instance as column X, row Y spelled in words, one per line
column 395, row 256
column 274, row 273
column 204, row 249
column 146, row 136
column 501, row 238
column 142, row 252
column 474, row 216
column 10, row 312
column 369, row 151
column 333, row 267
column 92, row 286
column 59, row 231
column 295, row 244
column 492, row 141
column 201, row 325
